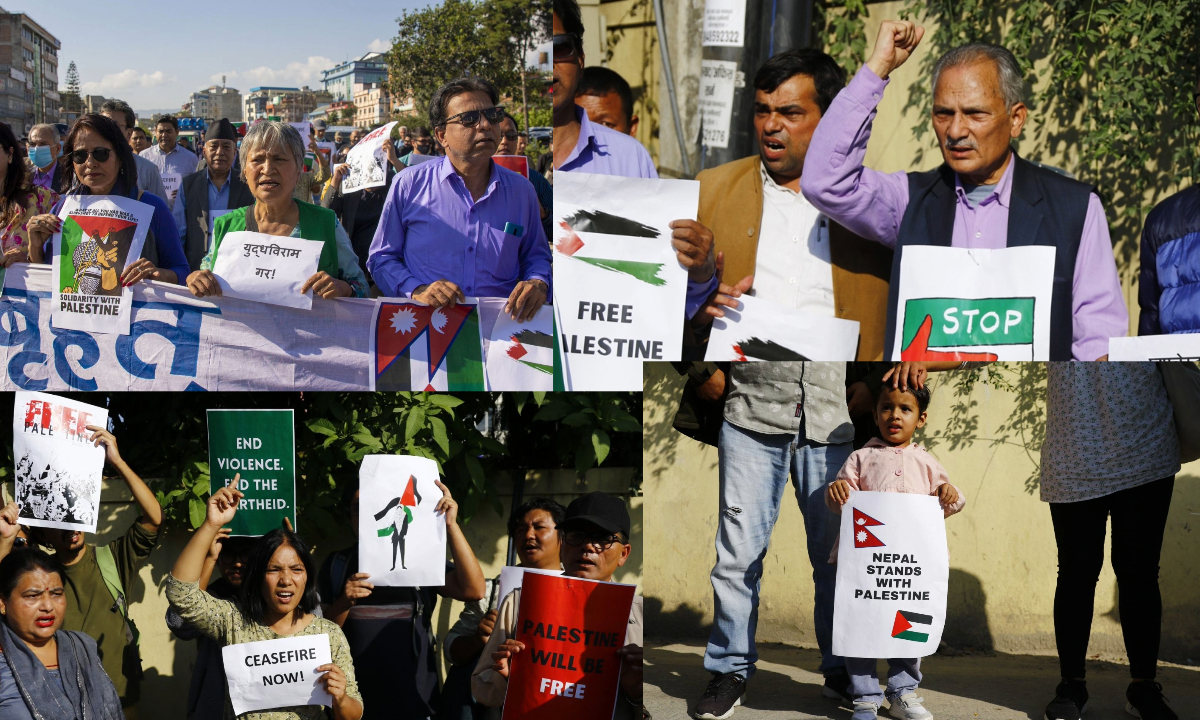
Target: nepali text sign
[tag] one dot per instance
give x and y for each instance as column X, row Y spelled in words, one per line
column 717, row 78
column 58, row 469
column 260, row 446
column 101, row 235
column 760, row 330
column 619, row 290
column 724, row 23
column 272, row 674
column 892, row 574
column 267, row 268
column 974, row 304
column 401, row 539
column 572, row 629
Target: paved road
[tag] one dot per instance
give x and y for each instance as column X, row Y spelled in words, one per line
column 994, row 686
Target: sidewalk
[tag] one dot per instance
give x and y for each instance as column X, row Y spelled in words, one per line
column 995, row 687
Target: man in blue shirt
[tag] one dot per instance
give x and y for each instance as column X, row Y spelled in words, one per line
column 174, row 162
column 210, row 193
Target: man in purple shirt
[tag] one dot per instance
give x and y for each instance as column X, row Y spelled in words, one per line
column 984, row 196
column 462, row 225
column 583, row 146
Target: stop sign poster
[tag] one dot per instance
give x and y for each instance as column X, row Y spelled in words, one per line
column 974, row 304
column 572, row 629
column 892, row 574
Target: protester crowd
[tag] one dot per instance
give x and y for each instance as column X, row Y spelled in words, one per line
column 71, row 646
column 455, row 224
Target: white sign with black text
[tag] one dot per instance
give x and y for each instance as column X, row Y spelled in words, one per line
column 279, row 673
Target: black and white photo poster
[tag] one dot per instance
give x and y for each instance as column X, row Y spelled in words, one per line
column 58, row 470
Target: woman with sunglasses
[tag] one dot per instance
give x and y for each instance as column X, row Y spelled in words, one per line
column 103, row 163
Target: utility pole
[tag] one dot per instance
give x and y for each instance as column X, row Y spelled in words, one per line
column 771, row 27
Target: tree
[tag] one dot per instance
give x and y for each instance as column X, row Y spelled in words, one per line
column 71, row 100
column 513, row 27
column 72, row 79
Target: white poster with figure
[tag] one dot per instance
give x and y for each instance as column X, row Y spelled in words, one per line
column 401, row 539
column 281, row 673
column 892, row 576
column 304, row 128
column 58, row 470
column 762, row 330
column 1158, row 348
column 520, row 355
column 267, row 268
column 960, row 304
column 619, row 289
column 367, row 161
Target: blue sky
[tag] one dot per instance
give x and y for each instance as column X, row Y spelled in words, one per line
column 153, row 55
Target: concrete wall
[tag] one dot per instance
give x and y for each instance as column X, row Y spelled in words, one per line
column 168, row 663
column 1002, row 551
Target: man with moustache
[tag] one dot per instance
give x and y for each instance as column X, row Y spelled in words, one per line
column 607, row 99
column 983, row 196
column 210, row 193
column 595, row 542
column 168, row 155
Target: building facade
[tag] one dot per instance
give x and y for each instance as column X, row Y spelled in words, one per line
column 287, row 104
column 344, row 79
column 216, row 102
column 372, row 106
column 28, row 73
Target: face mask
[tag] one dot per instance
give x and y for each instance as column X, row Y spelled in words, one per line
column 423, row 149
column 40, row 156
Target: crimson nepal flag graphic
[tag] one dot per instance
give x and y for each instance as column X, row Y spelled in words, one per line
column 864, row 538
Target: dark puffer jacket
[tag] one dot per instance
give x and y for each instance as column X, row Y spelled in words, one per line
column 1169, row 282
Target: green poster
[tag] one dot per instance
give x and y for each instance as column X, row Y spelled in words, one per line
column 260, row 445
column 960, row 322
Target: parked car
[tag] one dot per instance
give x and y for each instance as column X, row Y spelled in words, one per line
column 540, row 134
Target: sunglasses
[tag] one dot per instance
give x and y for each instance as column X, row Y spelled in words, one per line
column 101, row 154
column 566, row 47
column 601, row 540
column 470, row 118
column 510, row 135
column 20, row 542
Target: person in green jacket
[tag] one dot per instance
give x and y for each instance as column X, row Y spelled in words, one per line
column 272, row 156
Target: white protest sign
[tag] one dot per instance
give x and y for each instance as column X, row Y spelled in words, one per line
column 724, row 23
column 511, row 578
column 1160, row 348
column 101, row 235
column 892, row 575
column 281, row 673
column 716, row 100
column 974, row 304
column 267, row 268
column 520, row 356
column 367, row 161
column 619, row 290
column 762, row 330
column 304, row 128
column 401, row 540
column 171, row 183
column 58, row 470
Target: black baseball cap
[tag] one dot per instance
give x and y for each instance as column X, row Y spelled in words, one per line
column 599, row 509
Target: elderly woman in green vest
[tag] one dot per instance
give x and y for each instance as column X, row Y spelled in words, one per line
column 272, row 156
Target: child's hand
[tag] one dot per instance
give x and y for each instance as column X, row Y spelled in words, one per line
column 837, row 494
column 947, row 494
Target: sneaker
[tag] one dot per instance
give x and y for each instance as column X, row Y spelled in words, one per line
column 837, row 686
column 865, row 711
column 908, row 707
column 1145, row 700
column 1070, row 700
column 723, row 694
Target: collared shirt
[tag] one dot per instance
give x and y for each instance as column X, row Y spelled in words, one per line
column 432, row 229
column 604, row 151
column 44, row 179
column 774, row 398
column 872, row 204
column 792, row 267
column 218, row 200
column 180, row 161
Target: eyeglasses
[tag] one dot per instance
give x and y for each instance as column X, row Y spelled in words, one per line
column 601, row 540
column 20, row 542
column 101, row 154
column 566, row 47
column 470, row 118
column 511, row 135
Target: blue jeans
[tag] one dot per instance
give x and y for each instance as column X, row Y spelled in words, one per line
column 754, row 474
column 903, row 677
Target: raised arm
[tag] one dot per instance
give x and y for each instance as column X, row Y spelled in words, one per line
column 222, row 506
column 9, row 527
column 465, row 582
column 152, row 514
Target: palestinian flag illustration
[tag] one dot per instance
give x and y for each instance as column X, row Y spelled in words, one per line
column 571, row 244
column 407, row 500
column 533, row 349
column 958, row 329
column 905, row 620
column 864, row 538
column 423, row 348
column 766, row 350
column 94, row 251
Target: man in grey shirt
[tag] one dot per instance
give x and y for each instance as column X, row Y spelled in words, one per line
column 780, row 417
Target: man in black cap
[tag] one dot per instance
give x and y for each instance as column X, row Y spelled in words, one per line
column 595, row 542
column 210, row 193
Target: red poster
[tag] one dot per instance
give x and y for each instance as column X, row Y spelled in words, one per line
column 572, row 629
column 516, row 163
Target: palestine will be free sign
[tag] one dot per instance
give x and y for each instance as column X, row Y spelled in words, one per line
column 259, row 445
column 892, row 573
